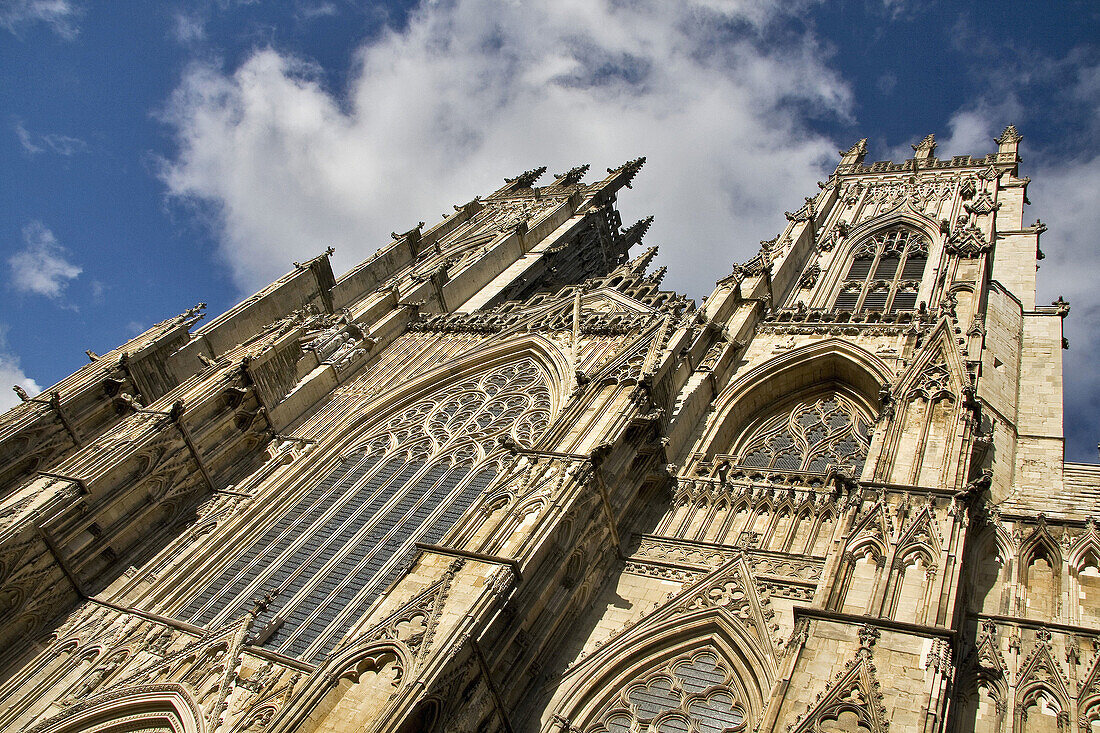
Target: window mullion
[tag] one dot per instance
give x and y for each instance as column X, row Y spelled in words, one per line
column 868, row 280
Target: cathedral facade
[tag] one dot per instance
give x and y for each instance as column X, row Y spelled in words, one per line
column 495, row 478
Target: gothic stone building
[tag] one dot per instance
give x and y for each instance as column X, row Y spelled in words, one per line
column 495, row 478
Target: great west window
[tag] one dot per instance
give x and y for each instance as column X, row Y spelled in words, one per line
column 885, row 272
column 350, row 534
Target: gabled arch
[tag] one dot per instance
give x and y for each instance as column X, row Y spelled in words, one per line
column 1087, row 541
column 921, row 533
column 901, row 215
column 721, row 611
column 1040, row 540
column 830, row 362
column 591, row 686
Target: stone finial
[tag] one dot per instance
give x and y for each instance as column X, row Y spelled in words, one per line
column 637, row 230
column 924, row 149
column 640, row 264
column 1009, row 137
column 1008, row 145
column 854, row 154
column 527, row 178
column 629, row 169
column 571, row 176
column 22, row 393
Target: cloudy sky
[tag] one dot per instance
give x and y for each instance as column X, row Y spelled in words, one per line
column 159, row 154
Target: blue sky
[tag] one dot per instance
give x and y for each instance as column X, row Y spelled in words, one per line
column 160, row 154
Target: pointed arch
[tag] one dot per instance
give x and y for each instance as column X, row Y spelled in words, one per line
column 830, row 364
column 1039, row 572
column 984, row 692
column 365, row 676
column 366, row 497
column 989, row 566
column 902, row 217
column 160, row 708
column 910, row 584
column 593, row 689
column 721, row 614
column 1041, row 681
column 1084, row 573
column 852, row 702
column 800, row 541
column 860, row 575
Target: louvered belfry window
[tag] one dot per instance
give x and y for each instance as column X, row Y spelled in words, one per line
column 333, row 553
column 814, row 434
column 885, row 273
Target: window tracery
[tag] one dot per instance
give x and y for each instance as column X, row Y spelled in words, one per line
column 693, row 692
column 885, row 273
column 327, row 558
column 813, row 435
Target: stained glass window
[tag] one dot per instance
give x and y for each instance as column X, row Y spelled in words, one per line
column 690, row 693
column 333, row 553
column 815, row 434
column 885, row 273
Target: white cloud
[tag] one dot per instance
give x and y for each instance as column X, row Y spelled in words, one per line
column 1065, row 199
column 40, row 267
column 26, row 139
column 311, row 11
column 188, row 28
column 12, row 375
column 60, row 15
column 472, row 91
column 1065, row 177
column 60, row 144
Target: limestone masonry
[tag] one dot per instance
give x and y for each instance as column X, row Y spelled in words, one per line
column 495, row 478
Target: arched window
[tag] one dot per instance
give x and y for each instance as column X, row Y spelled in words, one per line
column 331, row 554
column 812, row 434
column 885, row 272
column 1086, row 577
column 694, row 692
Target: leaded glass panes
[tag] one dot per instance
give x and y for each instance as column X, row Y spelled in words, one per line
column 331, row 554
column 694, row 692
column 885, row 272
column 812, row 435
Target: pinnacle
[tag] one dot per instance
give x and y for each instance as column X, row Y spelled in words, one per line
column 629, row 169
column 859, row 148
column 637, row 230
column 527, row 178
column 928, row 143
column 1010, row 135
column 640, row 264
column 571, row 176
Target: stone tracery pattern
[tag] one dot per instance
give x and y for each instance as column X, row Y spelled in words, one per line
column 693, row 692
column 342, row 542
column 815, row 434
column 777, row 559
column 885, row 272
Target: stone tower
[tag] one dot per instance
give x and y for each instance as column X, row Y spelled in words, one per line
column 494, row 478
